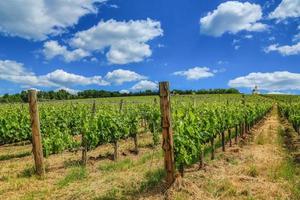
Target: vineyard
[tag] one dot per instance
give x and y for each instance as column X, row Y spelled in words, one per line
column 193, row 127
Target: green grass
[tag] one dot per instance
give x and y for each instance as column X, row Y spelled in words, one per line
column 260, row 140
column 117, row 166
column 252, row 171
column 29, row 171
column 75, row 174
column 220, row 188
column 12, row 156
column 152, row 178
column 127, row 163
column 287, row 170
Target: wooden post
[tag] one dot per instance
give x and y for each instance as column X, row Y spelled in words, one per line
column 84, row 157
column 116, row 143
column 236, row 134
column 223, row 140
column 212, row 142
column 121, row 105
column 229, row 135
column 244, row 131
column 167, row 132
column 37, row 147
column 201, row 158
column 94, row 109
column 84, row 149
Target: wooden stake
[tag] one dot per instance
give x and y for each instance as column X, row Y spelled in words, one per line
column 84, row 156
column 201, row 159
column 229, row 135
column 223, row 140
column 236, row 134
column 167, row 132
column 212, row 142
column 37, row 147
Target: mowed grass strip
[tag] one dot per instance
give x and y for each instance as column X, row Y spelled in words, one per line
column 75, row 174
column 128, row 163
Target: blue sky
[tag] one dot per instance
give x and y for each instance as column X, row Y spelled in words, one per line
column 131, row 45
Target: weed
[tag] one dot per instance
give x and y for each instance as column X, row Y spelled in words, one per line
column 27, row 172
column 152, row 178
column 11, row 156
column 252, row 171
column 260, row 140
column 75, row 174
column 120, row 165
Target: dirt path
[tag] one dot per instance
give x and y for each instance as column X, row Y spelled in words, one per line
column 247, row 171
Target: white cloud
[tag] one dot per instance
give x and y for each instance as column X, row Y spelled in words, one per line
column 127, row 52
column 53, row 49
column 236, row 47
column 222, row 62
column 124, row 91
column 285, row 50
column 272, row 81
column 286, row 9
column 15, row 72
column 145, row 85
column 126, row 41
column 69, row 90
column 114, row 6
column 121, row 76
column 232, row 17
column 37, row 19
column 195, row 73
column 248, row 36
column 296, row 37
column 272, row 38
column 276, row 92
column 61, row 77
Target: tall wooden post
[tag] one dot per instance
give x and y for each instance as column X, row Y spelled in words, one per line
column 167, row 132
column 37, row 147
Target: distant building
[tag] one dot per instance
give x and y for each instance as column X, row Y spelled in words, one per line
column 255, row 90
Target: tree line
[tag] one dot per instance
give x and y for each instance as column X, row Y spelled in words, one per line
column 65, row 95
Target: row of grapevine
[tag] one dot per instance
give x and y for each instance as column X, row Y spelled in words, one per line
column 196, row 122
column 61, row 123
column 195, row 126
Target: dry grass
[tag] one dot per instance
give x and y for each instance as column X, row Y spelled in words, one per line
column 257, row 168
column 243, row 171
column 66, row 179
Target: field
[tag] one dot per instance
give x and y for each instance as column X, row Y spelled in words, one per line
column 224, row 147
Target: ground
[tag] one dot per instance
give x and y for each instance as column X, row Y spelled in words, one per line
column 261, row 166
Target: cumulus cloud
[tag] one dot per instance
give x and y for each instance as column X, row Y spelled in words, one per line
column 37, row 19
column 126, row 41
column 61, row 77
column 195, row 73
column 15, row 72
column 69, row 90
column 286, row 9
column 53, row 49
column 232, row 17
column 272, row 81
column 285, row 50
column 145, row 85
column 121, row 76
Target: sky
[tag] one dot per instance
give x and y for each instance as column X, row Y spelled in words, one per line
column 131, row 45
